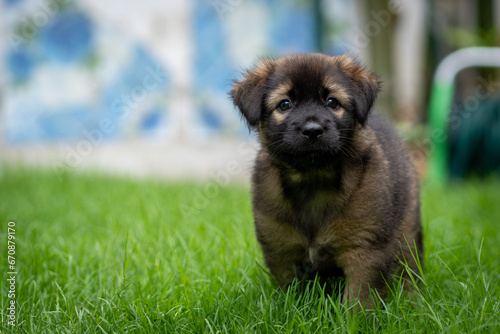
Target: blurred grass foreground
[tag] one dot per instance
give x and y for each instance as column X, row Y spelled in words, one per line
column 104, row 254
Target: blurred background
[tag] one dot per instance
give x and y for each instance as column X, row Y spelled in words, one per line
column 141, row 87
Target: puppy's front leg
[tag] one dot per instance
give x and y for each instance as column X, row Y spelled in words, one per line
column 282, row 269
column 283, row 247
column 364, row 270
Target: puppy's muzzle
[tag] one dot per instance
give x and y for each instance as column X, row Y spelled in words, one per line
column 312, row 130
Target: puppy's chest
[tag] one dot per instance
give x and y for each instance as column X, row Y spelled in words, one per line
column 316, row 219
column 311, row 210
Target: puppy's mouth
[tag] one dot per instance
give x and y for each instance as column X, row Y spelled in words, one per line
column 307, row 157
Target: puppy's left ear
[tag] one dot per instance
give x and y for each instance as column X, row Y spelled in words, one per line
column 366, row 86
column 248, row 93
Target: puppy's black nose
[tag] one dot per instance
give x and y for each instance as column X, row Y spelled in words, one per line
column 312, row 130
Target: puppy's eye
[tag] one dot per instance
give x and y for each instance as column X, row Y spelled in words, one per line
column 284, row 105
column 332, row 102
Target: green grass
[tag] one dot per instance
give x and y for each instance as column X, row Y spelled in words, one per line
column 103, row 254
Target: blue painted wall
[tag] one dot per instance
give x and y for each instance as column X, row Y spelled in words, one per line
column 59, row 82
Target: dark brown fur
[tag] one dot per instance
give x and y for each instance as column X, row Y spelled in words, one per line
column 343, row 201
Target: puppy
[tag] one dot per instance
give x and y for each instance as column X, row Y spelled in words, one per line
column 334, row 190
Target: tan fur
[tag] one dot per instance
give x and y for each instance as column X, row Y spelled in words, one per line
column 278, row 116
column 337, row 91
column 278, row 94
column 339, row 113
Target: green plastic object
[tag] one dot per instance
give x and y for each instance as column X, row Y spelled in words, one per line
column 441, row 99
column 440, row 106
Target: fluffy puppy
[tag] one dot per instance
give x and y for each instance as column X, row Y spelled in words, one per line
column 334, row 190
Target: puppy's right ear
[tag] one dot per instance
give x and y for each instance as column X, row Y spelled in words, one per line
column 248, row 93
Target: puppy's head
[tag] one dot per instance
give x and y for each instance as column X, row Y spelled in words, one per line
column 306, row 107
